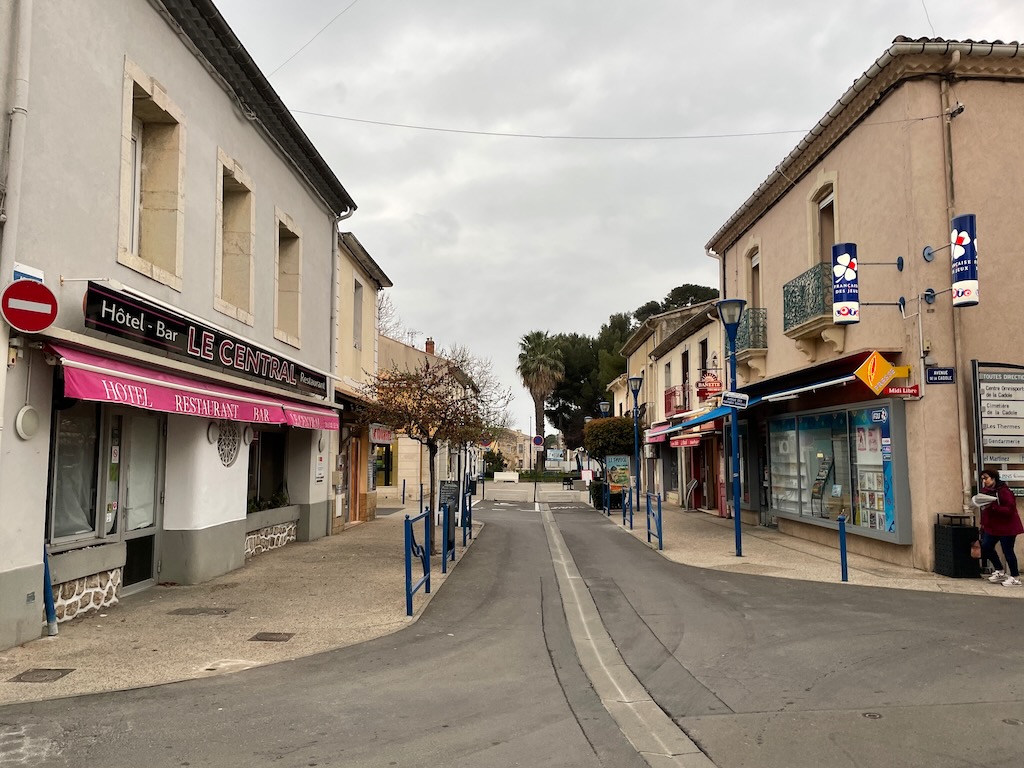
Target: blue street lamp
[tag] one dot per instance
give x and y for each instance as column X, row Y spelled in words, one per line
column 635, row 382
column 730, row 311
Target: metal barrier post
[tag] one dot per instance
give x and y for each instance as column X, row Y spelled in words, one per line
column 467, row 519
column 412, row 549
column 661, row 540
column 842, row 546
column 403, row 491
column 444, row 537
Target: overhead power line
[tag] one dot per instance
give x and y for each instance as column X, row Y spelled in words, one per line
column 512, row 135
column 314, row 37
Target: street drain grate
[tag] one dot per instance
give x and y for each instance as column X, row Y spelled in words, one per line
column 273, row 637
column 40, row 675
column 200, row 612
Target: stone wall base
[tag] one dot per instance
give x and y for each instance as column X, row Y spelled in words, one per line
column 89, row 593
column 266, row 539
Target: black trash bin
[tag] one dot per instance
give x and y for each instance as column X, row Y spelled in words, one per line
column 953, row 537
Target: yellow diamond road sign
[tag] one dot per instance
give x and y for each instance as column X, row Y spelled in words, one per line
column 876, row 372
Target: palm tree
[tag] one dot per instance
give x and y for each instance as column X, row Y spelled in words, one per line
column 541, row 369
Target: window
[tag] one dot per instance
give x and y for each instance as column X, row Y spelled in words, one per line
column 834, row 462
column 668, row 375
column 267, row 453
column 703, row 349
column 151, row 226
column 288, row 282
column 357, row 315
column 73, row 473
column 825, row 227
column 686, row 381
column 755, row 278
column 235, row 242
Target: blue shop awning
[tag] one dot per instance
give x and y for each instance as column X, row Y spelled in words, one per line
column 717, row 413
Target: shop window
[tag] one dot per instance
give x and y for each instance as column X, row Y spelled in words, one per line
column 384, row 465
column 268, row 488
column 288, row 282
column 828, row 463
column 74, row 461
column 152, row 218
column 870, row 446
column 236, row 241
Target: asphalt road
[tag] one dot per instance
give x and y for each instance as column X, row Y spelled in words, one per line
column 756, row 671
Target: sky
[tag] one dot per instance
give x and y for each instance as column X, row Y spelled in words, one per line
column 544, row 164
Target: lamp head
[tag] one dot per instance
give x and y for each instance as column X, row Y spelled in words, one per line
column 635, row 382
column 587, row 419
column 730, row 311
column 605, row 407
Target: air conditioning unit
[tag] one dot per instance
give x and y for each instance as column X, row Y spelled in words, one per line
column 650, row 451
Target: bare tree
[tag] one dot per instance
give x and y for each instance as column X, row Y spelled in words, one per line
column 494, row 398
column 432, row 404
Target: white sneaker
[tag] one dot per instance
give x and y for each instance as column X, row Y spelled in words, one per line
column 1011, row 581
column 997, row 576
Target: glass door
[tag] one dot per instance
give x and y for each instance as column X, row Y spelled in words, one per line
column 137, row 453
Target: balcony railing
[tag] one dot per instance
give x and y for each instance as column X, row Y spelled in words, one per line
column 753, row 330
column 807, row 297
column 676, row 400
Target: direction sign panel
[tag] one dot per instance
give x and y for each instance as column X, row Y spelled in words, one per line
column 735, row 400
column 28, row 306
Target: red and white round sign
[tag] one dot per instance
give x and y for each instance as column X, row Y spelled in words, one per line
column 28, row 306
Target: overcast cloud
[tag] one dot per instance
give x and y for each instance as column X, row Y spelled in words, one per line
column 487, row 238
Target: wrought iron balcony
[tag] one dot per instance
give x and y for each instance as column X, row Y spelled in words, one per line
column 753, row 329
column 676, row 400
column 807, row 298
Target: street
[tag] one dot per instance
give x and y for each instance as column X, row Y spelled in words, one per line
column 755, row 671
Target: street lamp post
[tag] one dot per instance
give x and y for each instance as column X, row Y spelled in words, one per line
column 606, row 408
column 730, row 311
column 635, row 382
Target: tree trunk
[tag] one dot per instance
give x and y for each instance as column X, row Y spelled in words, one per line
column 539, row 408
column 432, row 452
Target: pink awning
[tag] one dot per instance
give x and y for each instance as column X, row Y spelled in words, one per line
column 102, row 379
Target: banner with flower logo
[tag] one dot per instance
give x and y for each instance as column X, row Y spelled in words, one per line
column 845, row 285
column 963, row 241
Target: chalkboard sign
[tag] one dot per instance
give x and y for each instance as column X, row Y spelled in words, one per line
column 449, row 493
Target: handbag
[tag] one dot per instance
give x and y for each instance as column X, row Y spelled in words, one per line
column 976, row 549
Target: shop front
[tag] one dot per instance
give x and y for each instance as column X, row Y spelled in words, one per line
column 161, row 470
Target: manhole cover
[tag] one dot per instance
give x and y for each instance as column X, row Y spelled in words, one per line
column 40, row 675
column 273, row 637
column 200, row 611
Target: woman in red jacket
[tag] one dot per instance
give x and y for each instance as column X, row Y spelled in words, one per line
column 1000, row 524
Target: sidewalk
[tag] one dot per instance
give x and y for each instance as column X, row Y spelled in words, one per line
column 313, row 596
column 708, row 541
column 345, row 589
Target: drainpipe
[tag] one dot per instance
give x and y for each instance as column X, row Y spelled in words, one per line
column 333, row 355
column 11, row 204
column 958, row 344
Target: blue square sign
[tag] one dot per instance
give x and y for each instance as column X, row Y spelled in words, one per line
column 940, row 375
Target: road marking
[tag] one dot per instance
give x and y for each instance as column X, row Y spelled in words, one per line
column 656, row 738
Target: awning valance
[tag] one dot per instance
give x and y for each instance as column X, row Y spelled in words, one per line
column 102, row 379
column 711, row 415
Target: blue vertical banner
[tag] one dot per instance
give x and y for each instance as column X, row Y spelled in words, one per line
column 963, row 241
column 845, row 284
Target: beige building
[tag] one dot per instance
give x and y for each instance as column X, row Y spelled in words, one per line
column 928, row 133
column 685, row 435
column 359, row 280
column 403, row 464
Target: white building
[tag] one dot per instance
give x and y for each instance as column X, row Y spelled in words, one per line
column 178, row 411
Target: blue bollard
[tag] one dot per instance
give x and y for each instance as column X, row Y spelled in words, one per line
column 842, row 546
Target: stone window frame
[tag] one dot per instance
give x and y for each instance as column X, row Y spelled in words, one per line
column 230, row 173
column 287, row 258
column 162, row 154
column 358, row 297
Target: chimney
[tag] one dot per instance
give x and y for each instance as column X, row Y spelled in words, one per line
column 430, row 346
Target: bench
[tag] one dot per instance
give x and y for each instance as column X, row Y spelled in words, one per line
column 566, row 483
column 506, row 477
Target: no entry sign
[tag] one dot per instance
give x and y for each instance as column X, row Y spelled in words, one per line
column 28, row 306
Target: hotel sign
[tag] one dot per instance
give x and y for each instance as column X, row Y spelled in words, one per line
column 129, row 317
